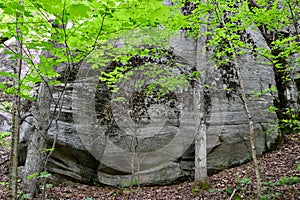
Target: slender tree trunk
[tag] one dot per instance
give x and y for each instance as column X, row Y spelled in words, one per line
column 287, row 90
column 134, row 169
column 37, row 145
column 252, row 143
column 13, row 162
column 16, row 118
column 201, row 178
column 242, row 95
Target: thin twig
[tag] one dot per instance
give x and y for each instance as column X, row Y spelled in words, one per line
column 233, row 193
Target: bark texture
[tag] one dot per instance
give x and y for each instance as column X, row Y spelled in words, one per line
column 16, row 117
column 36, row 153
column 201, row 179
column 13, row 162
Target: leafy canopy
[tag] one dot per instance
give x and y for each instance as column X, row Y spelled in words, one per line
column 70, row 31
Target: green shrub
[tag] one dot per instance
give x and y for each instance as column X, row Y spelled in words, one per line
column 3, row 142
column 288, row 180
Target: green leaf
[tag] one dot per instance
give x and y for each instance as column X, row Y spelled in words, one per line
column 119, row 99
column 95, row 66
column 8, row 74
column 4, row 134
column 2, row 86
column 79, row 10
column 50, row 149
column 31, row 176
column 44, row 175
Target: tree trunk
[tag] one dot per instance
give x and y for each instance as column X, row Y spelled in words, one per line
column 13, row 161
column 36, row 153
column 287, row 102
column 252, row 143
column 201, row 178
column 242, row 95
column 16, row 118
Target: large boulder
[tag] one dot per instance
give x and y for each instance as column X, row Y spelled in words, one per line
column 98, row 140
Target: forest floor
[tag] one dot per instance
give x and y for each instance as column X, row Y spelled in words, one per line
column 280, row 173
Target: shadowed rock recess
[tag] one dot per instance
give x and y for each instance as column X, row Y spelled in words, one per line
column 100, row 140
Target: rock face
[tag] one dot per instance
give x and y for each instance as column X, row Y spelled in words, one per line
column 102, row 140
column 5, row 118
column 4, row 123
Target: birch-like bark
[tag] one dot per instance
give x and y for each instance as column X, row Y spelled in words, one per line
column 37, row 143
column 201, row 179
